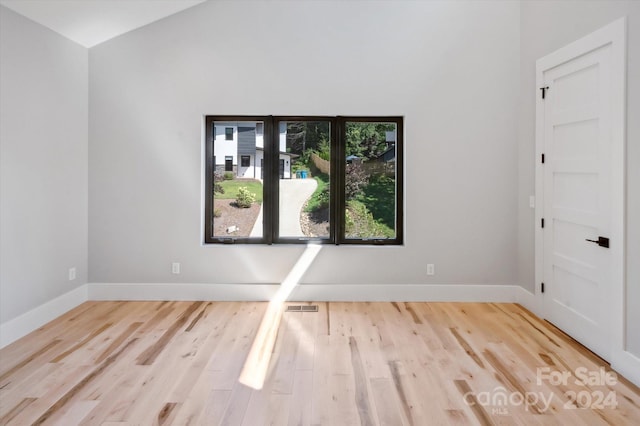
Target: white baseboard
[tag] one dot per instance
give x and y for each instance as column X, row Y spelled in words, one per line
column 404, row 293
column 170, row 291
column 12, row 330
column 626, row 364
column 306, row 292
column 24, row 324
column 528, row 300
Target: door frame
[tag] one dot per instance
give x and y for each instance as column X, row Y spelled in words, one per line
column 615, row 35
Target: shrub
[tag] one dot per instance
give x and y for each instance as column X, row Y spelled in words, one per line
column 217, row 178
column 245, row 198
column 356, row 179
column 228, row 176
column 324, row 150
column 217, row 212
column 323, row 197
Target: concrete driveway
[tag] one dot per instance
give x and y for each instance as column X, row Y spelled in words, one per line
column 293, row 194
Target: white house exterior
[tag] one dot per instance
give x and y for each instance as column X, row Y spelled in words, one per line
column 239, row 147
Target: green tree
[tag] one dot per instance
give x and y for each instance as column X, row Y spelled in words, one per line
column 366, row 140
column 306, row 135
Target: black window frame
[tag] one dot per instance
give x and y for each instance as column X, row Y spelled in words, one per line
column 399, row 174
column 242, row 161
column 275, row 193
column 271, row 180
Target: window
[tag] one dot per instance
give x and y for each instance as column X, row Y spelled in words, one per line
column 335, row 180
column 228, row 133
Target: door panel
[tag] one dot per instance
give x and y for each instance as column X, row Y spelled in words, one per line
column 576, row 140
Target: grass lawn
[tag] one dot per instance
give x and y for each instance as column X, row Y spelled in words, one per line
column 231, row 189
column 380, row 198
column 360, row 223
column 370, row 215
column 318, row 200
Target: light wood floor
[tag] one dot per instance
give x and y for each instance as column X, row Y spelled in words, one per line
column 115, row 363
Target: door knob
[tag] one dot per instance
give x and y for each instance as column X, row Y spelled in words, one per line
column 601, row 241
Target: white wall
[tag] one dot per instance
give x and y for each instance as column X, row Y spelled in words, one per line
column 43, row 164
column 451, row 68
column 545, row 27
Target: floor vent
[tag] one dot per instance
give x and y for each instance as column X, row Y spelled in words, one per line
column 302, row 308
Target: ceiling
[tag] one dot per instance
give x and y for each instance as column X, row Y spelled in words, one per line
column 91, row 22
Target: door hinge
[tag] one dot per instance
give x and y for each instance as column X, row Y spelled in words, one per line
column 542, row 159
column 541, row 287
column 544, row 91
column 542, row 222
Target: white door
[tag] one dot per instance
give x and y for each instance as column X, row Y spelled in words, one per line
column 576, row 122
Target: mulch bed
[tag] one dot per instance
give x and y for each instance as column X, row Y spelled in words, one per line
column 231, row 215
column 315, row 224
column 312, row 224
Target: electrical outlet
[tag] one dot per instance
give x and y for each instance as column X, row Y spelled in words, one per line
column 175, row 268
column 431, row 269
column 72, row 273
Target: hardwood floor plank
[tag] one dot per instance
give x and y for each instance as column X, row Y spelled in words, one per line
column 166, row 413
column 198, row 317
column 83, row 342
column 401, row 392
column 4, row 382
column 75, row 389
column 342, row 410
column 467, row 348
column 118, row 341
column 321, row 396
column 365, row 410
column 229, row 357
column 301, row 401
column 34, row 384
column 236, row 409
column 215, row 407
column 283, row 358
column 328, row 311
column 477, row 408
column 75, row 412
column 387, row 405
column 65, row 379
column 152, row 352
column 195, row 358
column 414, row 316
column 10, row 414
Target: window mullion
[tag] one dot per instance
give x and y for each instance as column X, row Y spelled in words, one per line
column 337, row 187
column 209, row 182
column 270, row 207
